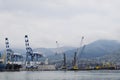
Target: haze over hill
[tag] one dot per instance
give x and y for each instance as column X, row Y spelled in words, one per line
column 99, row 48
column 53, row 51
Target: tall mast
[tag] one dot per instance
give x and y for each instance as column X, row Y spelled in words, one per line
column 75, row 62
column 29, row 51
column 81, row 43
column 57, row 49
column 64, row 61
column 8, row 54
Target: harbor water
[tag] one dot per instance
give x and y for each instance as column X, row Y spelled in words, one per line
column 61, row 75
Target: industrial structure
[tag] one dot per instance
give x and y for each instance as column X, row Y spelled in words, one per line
column 9, row 52
column 29, row 53
column 57, row 48
column 64, row 66
column 14, row 61
column 75, row 61
column 11, row 60
column 32, row 61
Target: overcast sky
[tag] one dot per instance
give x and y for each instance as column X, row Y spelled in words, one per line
column 65, row 21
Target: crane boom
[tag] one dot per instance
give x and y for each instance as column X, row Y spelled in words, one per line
column 29, row 52
column 81, row 52
column 81, row 43
column 57, row 48
column 75, row 62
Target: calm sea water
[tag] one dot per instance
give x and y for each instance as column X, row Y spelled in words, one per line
column 61, row 75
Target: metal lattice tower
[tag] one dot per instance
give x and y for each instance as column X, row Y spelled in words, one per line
column 57, row 49
column 29, row 51
column 81, row 43
column 75, row 61
column 9, row 52
column 64, row 64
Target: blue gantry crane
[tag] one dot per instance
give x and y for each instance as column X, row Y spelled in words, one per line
column 29, row 53
column 9, row 53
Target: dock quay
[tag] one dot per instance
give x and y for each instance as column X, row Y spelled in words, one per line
column 40, row 68
column 31, row 61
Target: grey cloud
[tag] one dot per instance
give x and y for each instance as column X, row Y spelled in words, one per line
column 46, row 21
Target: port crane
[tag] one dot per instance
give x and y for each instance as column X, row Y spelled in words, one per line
column 75, row 61
column 9, row 52
column 64, row 61
column 29, row 52
column 32, row 58
column 12, row 58
column 57, row 49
